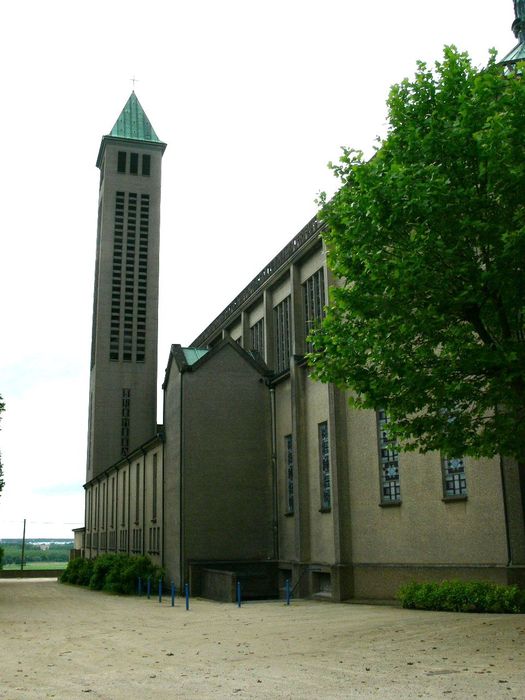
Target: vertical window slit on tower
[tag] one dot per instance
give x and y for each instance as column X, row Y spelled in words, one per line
column 116, row 282
column 134, row 163
column 142, row 278
column 121, row 164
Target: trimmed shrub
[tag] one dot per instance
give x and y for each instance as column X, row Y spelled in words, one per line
column 122, row 578
column 78, row 571
column 463, row 596
column 101, row 568
column 115, row 573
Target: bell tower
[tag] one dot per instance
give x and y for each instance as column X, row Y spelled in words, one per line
column 123, row 380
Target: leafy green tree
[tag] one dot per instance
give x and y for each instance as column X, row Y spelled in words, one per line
column 428, row 240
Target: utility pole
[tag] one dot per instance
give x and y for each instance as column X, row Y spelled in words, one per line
column 23, row 547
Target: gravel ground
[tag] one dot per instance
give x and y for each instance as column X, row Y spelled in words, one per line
column 61, row 641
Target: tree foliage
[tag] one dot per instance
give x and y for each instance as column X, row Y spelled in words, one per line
column 428, row 240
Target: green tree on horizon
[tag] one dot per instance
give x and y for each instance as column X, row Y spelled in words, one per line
column 427, row 239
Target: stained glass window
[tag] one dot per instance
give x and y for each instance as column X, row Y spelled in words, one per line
column 388, row 461
column 454, row 480
column 324, row 463
column 289, row 473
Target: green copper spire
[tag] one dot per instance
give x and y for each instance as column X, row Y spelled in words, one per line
column 133, row 122
column 518, row 27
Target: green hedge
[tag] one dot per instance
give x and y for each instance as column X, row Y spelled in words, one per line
column 116, row 573
column 461, row 596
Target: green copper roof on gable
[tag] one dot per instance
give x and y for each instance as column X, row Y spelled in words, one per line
column 517, row 54
column 193, row 354
column 133, row 123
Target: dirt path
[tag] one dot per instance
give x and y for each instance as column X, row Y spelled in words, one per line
column 60, row 641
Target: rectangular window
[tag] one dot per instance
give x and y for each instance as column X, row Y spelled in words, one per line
column 154, row 489
column 137, row 493
column 88, row 511
column 314, row 302
column 103, row 519
column 282, row 335
column 146, row 165
column 324, row 467
column 112, row 501
column 97, row 509
column 123, row 522
column 134, row 163
column 257, row 338
column 288, row 452
column 121, row 164
column 454, row 479
column 136, row 535
column 388, row 462
column 123, row 541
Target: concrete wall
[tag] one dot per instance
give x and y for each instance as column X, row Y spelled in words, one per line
column 424, row 528
column 226, row 460
column 321, row 522
column 284, row 428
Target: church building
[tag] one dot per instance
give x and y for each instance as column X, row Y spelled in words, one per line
column 258, row 473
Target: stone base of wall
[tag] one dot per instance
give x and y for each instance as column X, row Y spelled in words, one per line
column 31, row 573
column 382, row 581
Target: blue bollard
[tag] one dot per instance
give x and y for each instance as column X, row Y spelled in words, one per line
column 139, row 586
column 287, row 591
column 238, row 594
column 160, row 590
column 149, row 588
column 173, row 594
column 187, row 592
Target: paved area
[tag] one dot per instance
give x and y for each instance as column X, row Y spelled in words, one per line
column 60, row 641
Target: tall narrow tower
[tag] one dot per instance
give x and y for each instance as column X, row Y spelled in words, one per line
column 123, row 385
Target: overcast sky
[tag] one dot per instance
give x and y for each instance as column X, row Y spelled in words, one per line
column 253, row 99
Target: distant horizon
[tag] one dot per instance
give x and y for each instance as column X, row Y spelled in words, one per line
column 9, row 540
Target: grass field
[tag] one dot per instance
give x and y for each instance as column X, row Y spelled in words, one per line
column 37, row 565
